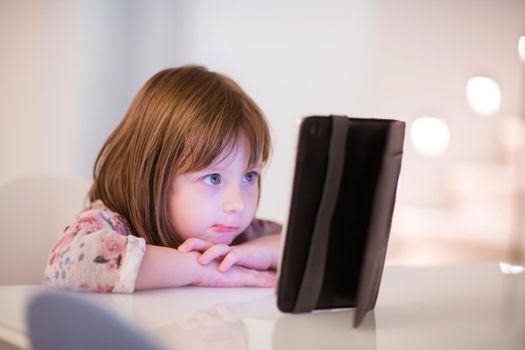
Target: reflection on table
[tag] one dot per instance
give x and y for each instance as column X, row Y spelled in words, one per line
column 474, row 306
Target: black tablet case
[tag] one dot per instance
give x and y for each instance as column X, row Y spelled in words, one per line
column 343, row 197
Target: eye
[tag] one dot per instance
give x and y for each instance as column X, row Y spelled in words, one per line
column 251, row 177
column 212, row 179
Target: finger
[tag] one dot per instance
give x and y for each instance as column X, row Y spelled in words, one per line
column 264, row 279
column 229, row 260
column 214, row 252
column 255, row 278
column 194, row 244
column 238, row 276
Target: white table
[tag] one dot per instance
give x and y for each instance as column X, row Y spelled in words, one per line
column 474, row 306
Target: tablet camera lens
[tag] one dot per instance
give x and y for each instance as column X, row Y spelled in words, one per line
column 313, row 129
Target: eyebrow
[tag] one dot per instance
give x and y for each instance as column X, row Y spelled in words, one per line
column 257, row 166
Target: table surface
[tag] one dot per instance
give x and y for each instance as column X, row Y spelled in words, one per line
column 471, row 306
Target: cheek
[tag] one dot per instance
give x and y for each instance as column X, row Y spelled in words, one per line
column 252, row 198
column 186, row 211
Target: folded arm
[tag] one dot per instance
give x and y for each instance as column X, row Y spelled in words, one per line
column 166, row 267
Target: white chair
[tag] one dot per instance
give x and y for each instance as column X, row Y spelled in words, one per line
column 33, row 213
column 64, row 320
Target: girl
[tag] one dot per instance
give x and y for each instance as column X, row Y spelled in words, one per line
column 175, row 191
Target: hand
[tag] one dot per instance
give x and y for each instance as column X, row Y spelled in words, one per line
column 247, row 255
column 236, row 276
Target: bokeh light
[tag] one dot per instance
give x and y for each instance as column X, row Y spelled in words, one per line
column 430, row 136
column 521, row 48
column 483, row 95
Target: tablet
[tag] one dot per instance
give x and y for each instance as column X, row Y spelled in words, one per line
column 343, row 196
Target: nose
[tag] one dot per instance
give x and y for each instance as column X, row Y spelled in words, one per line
column 233, row 199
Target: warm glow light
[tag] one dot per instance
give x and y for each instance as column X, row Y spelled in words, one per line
column 429, row 135
column 483, row 95
column 521, row 48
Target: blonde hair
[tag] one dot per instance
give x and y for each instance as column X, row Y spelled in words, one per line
column 181, row 120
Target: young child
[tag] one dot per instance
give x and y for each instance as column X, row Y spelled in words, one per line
column 175, row 191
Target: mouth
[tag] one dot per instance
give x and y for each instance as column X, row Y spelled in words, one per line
column 225, row 228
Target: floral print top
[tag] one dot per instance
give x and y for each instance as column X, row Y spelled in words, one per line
column 98, row 252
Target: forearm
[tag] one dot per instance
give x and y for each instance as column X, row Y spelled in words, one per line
column 163, row 267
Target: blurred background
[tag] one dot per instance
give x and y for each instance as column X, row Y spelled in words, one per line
column 451, row 69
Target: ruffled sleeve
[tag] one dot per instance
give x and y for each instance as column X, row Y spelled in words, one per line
column 96, row 253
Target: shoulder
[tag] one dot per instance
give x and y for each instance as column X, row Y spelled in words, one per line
column 97, row 216
column 259, row 228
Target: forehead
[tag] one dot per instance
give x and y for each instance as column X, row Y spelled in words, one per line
column 238, row 149
column 208, row 150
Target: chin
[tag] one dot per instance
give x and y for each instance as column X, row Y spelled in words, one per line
column 222, row 239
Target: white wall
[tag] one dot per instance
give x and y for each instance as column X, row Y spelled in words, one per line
column 69, row 70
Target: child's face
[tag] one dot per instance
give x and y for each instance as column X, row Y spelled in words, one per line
column 217, row 203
